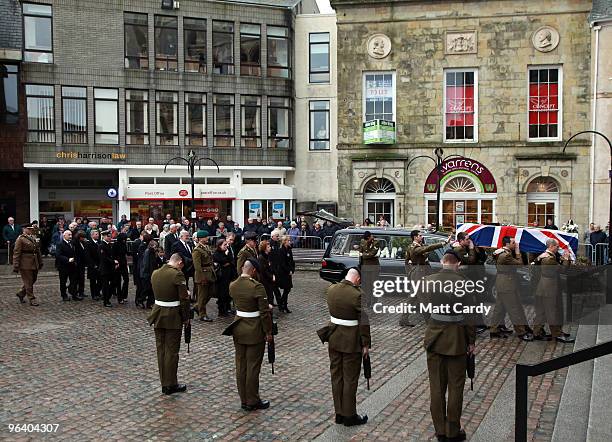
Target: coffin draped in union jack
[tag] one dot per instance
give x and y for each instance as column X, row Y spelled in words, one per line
column 529, row 239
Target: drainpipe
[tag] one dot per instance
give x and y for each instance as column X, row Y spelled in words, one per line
column 594, row 126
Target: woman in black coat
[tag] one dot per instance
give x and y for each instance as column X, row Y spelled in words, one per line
column 266, row 276
column 147, row 266
column 121, row 276
column 284, row 267
column 224, row 266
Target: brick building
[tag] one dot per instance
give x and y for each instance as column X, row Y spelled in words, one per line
column 116, row 89
column 500, row 85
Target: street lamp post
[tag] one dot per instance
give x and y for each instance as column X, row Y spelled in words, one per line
column 440, row 158
column 609, row 174
column 192, row 161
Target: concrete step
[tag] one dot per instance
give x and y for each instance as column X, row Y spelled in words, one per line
column 600, row 419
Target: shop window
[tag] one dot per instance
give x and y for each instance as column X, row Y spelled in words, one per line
column 223, row 47
column 9, row 94
column 74, row 115
column 279, row 120
column 137, row 117
column 460, row 105
column 167, row 118
column 194, row 30
column 379, row 96
column 459, row 184
column 319, row 125
column 544, row 103
column 319, row 57
column 135, row 32
column 215, row 180
column 166, row 43
column 195, row 119
column 278, row 52
column 106, row 106
column 271, row 181
column 251, row 180
column 223, row 109
column 250, row 49
column 250, row 108
column 41, row 113
column 167, row 180
column 196, row 180
column 37, row 33
column 141, row 180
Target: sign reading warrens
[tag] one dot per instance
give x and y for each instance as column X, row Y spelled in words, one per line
column 379, row 132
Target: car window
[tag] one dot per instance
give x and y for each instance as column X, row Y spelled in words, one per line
column 339, row 244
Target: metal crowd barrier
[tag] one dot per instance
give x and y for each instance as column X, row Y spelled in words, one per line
column 597, row 255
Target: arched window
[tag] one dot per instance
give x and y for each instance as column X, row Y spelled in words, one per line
column 379, row 185
column 379, row 201
column 543, row 184
column 542, row 201
column 460, row 184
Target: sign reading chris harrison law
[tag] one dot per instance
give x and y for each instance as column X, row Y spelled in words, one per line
column 92, row 156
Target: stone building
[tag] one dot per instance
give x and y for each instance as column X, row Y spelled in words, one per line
column 115, row 90
column 497, row 85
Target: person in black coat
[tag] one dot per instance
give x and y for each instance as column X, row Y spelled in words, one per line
column 266, row 275
column 82, row 259
column 149, row 262
column 93, row 265
column 121, row 278
column 108, row 266
column 224, row 265
column 184, row 248
column 66, row 263
column 284, row 267
column 169, row 241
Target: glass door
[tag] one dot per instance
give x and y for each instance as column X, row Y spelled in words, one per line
column 376, row 208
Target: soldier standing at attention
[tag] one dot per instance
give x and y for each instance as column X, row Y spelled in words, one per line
column 368, row 263
column 508, row 299
column 27, row 261
column 251, row 329
column 348, row 335
column 169, row 314
column 249, row 251
column 204, row 275
column 548, row 304
column 447, row 341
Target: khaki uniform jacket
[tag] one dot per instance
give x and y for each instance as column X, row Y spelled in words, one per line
column 245, row 253
column 344, row 302
column 549, row 279
column 169, row 285
column 368, row 252
column 249, row 295
column 203, row 265
column 450, row 339
column 417, row 253
column 506, row 273
column 27, row 254
column 467, row 256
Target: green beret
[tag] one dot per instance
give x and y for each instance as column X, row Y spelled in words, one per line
column 202, row 234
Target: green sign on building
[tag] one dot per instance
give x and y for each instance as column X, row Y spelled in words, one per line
column 379, row 132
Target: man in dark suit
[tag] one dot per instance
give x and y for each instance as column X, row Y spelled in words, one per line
column 82, row 260
column 169, row 241
column 66, row 262
column 10, row 233
column 93, row 271
column 184, row 248
column 108, row 265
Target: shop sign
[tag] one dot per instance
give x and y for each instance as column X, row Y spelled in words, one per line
column 379, row 132
column 207, row 210
column 167, row 192
column 465, row 165
column 183, row 192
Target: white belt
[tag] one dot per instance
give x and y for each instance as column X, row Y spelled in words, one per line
column 345, row 322
column 247, row 314
column 446, row 318
column 167, row 304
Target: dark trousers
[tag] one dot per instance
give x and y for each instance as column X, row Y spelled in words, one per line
column 121, row 282
column 284, row 298
column 224, row 302
column 345, row 369
column 248, row 366
column 94, row 282
column 446, row 374
column 277, row 295
column 70, row 277
column 107, row 287
column 11, row 248
column 168, row 342
column 80, row 281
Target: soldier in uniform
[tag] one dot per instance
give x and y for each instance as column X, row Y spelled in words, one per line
column 447, row 341
column 368, row 263
column 204, row 276
column 417, row 263
column 249, row 251
column 548, row 304
column 348, row 335
column 108, row 265
column 251, row 328
column 508, row 298
column 27, row 261
column 169, row 314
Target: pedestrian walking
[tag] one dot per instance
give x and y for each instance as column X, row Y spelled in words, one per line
column 284, row 268
column 27, row 261
column 348, row 338
column 169, row 314
column 251, row 329
column 204, row 274
column 66, row 263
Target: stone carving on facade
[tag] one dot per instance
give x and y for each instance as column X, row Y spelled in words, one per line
column 460, row 42
column 545, row 39
column 379, row 46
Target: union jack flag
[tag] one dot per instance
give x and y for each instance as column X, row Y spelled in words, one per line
column 529, row 240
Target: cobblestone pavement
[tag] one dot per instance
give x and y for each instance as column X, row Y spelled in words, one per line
column 93, row 371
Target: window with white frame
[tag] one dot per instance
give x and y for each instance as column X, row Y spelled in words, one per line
column 319, row 57
column 250, row 108
column 319, row 125
column 460, row 105
column 74, row 115
column 167, row 118
column 106, row 115
column 379, row 96
column 195, row 119
column 137, row 117
column 41, row 114
column 37, row 33
column 545, row 103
